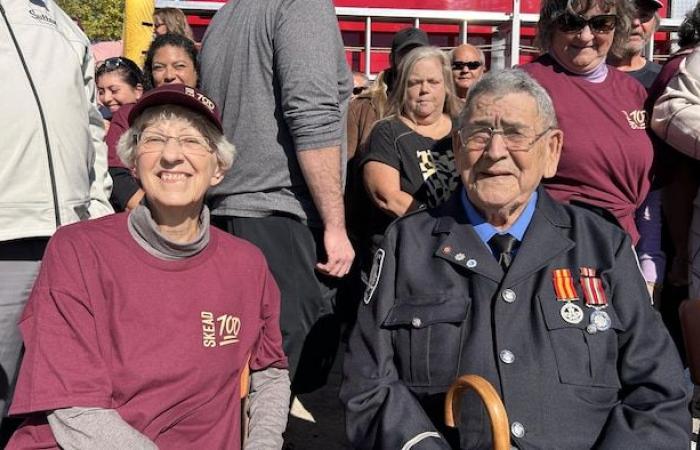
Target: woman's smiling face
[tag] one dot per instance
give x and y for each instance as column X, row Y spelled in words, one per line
column 583, row 50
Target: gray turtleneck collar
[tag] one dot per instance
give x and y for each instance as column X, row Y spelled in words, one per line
column 145, row 232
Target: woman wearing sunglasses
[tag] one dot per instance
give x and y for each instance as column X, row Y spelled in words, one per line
column 171, row 59
column 119, row 82
column 607, row 155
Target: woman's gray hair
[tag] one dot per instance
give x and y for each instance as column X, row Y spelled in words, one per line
column 224, row 150
column 397, row 99
column 552, row 10
column 511, row 81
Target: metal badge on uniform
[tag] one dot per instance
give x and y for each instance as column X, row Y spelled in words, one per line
column 571, row 313
column 601, row 320
column 594, row 295
column 460, row 257
column 565, row 291
column 374, row 275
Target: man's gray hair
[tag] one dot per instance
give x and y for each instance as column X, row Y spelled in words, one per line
column 126, row 148
column 511, row 81
column 482, row 57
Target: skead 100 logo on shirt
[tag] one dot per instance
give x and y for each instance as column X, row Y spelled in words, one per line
column 636, row 119
column 219, row 331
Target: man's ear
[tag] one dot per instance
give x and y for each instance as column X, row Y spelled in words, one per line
column 554, row 143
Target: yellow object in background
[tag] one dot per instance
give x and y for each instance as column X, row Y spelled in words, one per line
column 138, row 29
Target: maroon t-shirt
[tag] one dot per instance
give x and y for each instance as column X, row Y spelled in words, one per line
column 117, row 127
column 162, row 342
column 607, row 154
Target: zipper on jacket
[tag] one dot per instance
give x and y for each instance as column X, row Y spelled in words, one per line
column 52, row 174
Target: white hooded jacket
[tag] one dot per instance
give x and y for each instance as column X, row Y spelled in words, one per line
column 53, row 161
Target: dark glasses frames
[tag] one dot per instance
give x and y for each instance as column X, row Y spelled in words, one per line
column 358, row 90
column 471, row 65
column 110, row 64
column 114, row 63
column 573, row 23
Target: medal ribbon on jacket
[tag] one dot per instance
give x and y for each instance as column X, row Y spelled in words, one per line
column 565, row 291
column 594, row 295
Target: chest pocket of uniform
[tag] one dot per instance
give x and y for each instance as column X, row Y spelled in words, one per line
column 427, row 338
column 583, row 357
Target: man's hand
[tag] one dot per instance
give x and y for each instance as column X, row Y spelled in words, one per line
column 339, row 252
column 321, row 169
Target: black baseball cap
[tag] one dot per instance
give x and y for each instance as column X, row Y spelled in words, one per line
column 181, row 95
column 408, row 37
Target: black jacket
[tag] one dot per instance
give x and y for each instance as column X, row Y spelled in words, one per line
column 439, row 310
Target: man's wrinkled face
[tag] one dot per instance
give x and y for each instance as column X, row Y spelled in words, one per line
column 497, row 178
column 643, row 26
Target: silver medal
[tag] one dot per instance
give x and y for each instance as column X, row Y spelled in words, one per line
column 601, row 320
column 571, row 313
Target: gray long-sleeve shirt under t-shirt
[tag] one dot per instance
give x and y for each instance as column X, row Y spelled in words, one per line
column 277, row 71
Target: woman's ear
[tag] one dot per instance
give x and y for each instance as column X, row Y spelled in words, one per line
column 218, row 176
column 139, row 90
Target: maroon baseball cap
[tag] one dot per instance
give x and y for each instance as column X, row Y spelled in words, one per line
column 181, row 95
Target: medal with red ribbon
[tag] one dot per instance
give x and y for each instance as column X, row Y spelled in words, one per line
column 565, row 291
column 595, row 297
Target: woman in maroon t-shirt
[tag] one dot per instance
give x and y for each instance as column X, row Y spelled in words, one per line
column 607, row 155
column 141, row 324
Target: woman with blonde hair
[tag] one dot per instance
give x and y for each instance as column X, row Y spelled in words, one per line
column 408, row 161
column 171, row 20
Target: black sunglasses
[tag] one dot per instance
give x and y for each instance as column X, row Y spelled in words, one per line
column 573, row 23
column 358, row 90
column 471, row 65
column 114, row 63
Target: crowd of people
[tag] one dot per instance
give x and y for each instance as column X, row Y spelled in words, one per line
column 185, row 245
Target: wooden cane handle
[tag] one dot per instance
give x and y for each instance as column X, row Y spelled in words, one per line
column 493, row 403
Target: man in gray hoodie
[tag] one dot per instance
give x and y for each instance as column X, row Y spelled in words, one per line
column 277, row 69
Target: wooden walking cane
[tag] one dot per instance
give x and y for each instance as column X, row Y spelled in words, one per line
column 493, row 403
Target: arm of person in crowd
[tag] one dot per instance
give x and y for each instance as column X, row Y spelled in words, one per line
column 380, row 410
column 384, row 187
column 653, row 407
column 652, row 259
column 268, row 408
column 676, row 116
column 127, row 192
column 91, row 428
column 321, row 169
column 312, row 109
column 101, row 182
column 269, row 378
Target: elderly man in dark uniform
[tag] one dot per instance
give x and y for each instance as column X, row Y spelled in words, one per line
column 546, row 301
